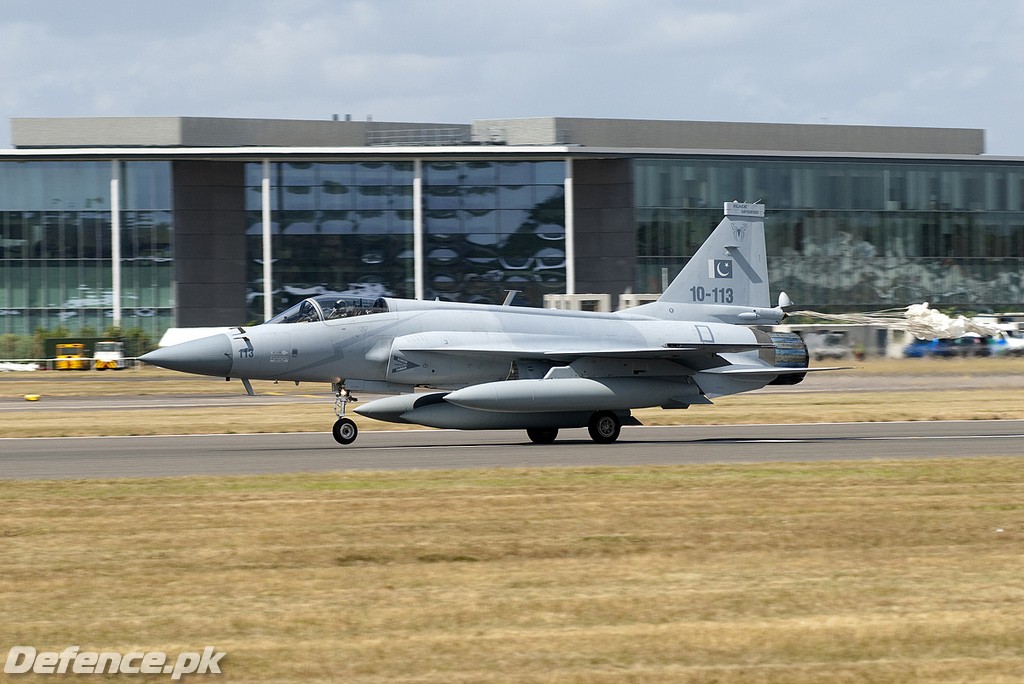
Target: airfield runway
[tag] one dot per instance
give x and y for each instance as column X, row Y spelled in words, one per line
column 111, row 457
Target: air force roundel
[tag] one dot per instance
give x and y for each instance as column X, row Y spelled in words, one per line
column 720, row 268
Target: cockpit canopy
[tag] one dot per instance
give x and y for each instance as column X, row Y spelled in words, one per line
column 329, row 308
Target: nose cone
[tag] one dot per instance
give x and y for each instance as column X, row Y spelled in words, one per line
column 205, row 356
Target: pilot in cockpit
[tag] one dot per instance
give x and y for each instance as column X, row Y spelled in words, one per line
column 341, row 309
column 307, row 313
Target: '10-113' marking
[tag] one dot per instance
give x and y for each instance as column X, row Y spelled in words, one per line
column 716, row 295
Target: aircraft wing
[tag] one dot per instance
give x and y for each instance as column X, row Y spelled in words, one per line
column 554, row 348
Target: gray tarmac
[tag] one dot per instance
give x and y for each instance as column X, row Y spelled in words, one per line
column 113, row 457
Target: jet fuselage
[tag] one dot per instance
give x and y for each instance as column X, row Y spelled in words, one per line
column 447, row 345
column 503, row 367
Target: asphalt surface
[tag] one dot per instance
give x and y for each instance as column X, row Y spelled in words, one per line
column 111, row 457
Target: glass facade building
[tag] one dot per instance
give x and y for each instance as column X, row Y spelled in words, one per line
column 163, row 235
column 348, row 228
column 56, row 248
column 494, row 226
column 849, row 235
column 342, row 227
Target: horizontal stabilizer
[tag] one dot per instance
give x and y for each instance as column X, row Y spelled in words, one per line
column 768, row 371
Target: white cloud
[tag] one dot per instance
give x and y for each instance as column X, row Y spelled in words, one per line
column 909, row 63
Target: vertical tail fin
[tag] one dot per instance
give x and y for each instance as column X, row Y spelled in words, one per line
column 731, row 267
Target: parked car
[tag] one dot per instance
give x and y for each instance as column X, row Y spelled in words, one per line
column 1007, row 344
column 971, row 345
column 968, row 345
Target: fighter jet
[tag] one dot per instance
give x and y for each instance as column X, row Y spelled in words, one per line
column 541, row 370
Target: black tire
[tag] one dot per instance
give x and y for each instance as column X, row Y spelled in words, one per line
column 542, row 435
column 345, row 431
column 604, row 427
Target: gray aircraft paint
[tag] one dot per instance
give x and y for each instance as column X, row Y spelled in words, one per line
column 511, row 367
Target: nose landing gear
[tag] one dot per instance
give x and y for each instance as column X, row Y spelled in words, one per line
column 345, row 430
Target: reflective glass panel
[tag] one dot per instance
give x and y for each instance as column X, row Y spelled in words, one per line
column 492, row 227
column 55, row 246
column 339, row 230
column 845, row 235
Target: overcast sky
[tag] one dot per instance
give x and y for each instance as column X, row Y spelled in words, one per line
column 878, row 62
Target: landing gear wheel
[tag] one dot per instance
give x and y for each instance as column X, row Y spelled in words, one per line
column 345, row 431
column 542, row 435
column 604, row 427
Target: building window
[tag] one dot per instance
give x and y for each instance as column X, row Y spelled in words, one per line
column 842, row 235
column 340, row 228
column 491, row 226
column 55, row 246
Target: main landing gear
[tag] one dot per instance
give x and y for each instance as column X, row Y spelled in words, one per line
column 542, row 435
column 604, row 428
column 345, row 430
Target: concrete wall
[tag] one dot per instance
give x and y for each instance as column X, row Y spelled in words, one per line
column 96, row 132
column 218, row 132
column 605, row 226
column 719, row 135
column 209, row 243
column 612, row 133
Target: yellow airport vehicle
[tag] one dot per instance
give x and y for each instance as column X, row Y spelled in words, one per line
column 108, row 355
column 71, row 356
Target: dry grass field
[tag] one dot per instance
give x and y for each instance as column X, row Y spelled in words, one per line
column 877, row 571
column 903, row 390
column 813, row 572
column 746, row 408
